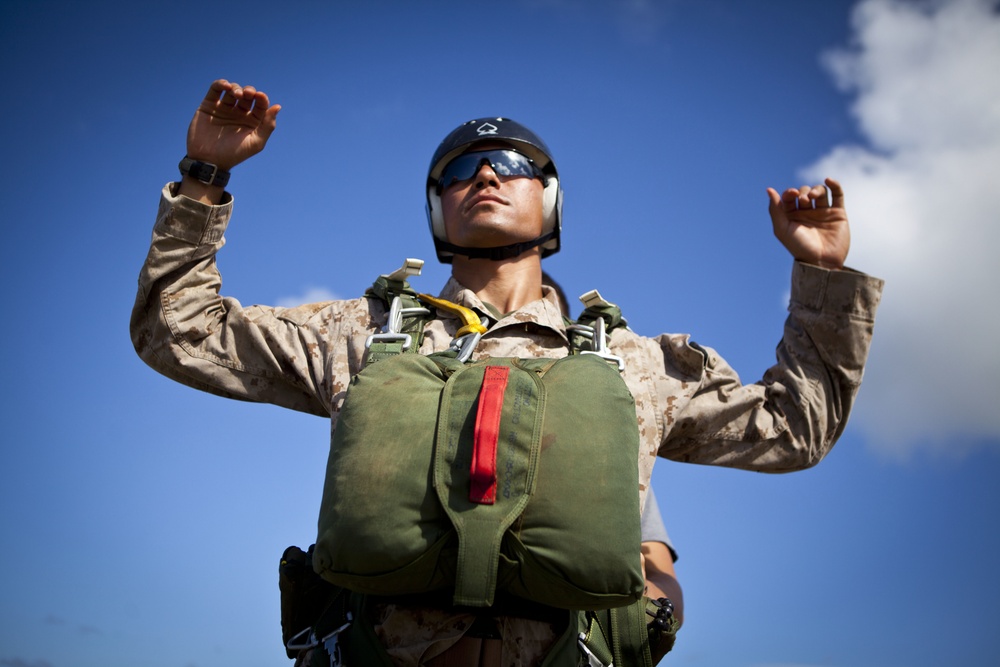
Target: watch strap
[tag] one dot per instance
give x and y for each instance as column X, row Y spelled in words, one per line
column 206, row 172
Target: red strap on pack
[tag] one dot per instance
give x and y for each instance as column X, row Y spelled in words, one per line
column 483, row 489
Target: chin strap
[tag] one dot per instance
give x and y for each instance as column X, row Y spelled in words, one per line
column 497, row 253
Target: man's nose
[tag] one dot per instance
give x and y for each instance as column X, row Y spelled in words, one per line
column 486, row 176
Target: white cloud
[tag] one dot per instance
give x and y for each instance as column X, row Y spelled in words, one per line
column 311, row 295
column 922, row 201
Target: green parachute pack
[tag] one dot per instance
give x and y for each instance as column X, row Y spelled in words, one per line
column 503, row 477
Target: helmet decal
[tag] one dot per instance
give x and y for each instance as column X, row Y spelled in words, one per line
column 486, row 129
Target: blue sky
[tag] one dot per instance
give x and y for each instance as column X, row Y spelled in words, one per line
column 142, row 521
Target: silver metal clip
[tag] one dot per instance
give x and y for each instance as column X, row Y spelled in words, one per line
column 302, row 641
column 331, row 643
column 394, row 322
column 599, row 340
column 305, row 640
column 465, row 346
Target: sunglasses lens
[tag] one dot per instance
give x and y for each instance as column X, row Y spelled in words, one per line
column 503, row 163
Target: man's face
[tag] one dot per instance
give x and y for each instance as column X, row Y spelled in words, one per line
column 488, row 210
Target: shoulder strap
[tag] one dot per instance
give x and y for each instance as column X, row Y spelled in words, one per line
column 406, row 315
column 589, row 334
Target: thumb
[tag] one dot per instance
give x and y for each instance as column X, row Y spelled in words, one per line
column 773, row 197
column 270, row 121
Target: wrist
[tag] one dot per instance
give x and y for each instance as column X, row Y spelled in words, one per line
column 829, row 266
column 198, row 191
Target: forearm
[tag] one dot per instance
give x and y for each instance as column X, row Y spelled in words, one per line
column 201, row 192
column 794, row 415
column 183, row 328
column 662, row 585
column 661, row 578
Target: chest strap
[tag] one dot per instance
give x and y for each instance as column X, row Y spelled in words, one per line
column 408, row 314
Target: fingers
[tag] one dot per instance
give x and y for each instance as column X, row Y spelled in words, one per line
column 822, row 199
column 255, row 102
column 218, row 87
column 220, row 93
column 230, row 100
column 812, row 196
column 246, row 99
column 803, row 200
column 836, row 192
column 789, row 199
column 809, row 196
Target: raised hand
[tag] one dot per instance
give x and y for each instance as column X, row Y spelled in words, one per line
column 231, row 124
column 812, row 228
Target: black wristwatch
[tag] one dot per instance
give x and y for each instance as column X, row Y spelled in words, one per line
column 662, row 628
column 662, row 612
column 206, row 172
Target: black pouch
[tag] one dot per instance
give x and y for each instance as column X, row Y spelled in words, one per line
column 304, row 594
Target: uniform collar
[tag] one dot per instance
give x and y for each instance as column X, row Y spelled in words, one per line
column 544, row 312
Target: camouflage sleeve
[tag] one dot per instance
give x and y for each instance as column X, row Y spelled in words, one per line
column 792, row 417
column 185, row 330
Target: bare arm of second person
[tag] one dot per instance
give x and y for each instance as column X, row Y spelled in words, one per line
column 661, row 578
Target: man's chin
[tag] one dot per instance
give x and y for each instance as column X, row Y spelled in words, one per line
column 492, row 234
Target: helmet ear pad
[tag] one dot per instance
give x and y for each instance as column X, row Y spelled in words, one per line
column 551, row 216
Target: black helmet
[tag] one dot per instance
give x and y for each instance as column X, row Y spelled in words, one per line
column 526, row 142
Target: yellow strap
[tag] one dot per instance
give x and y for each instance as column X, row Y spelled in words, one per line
column 471, row 321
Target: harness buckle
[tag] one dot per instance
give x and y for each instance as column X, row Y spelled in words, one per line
column 393, row 323
column 598, row 336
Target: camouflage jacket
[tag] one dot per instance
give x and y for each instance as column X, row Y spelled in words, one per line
column 691, row 405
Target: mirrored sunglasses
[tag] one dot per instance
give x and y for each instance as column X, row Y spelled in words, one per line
column 504, row 162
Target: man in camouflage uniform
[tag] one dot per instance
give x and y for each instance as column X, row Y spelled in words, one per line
column 690, row 404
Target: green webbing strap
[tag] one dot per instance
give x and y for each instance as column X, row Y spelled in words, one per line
column 379, row 350
column 596, row 640
column 630, row 636
column 481, row 526
column 617, row 636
